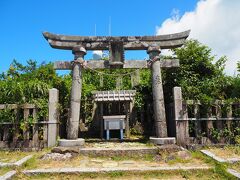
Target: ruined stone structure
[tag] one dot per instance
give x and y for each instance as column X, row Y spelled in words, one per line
column 116, row 46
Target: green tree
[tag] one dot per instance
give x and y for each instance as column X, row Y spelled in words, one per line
column 199, row 74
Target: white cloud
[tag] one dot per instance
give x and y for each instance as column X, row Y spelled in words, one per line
column 97, row 54
column 215, row 23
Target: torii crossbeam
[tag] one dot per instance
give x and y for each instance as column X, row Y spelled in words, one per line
column 116, row 46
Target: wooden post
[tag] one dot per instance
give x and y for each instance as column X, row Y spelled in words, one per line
column 95, row 116
column 16, row 126
column 149, row 114
column 119, row 83
column 26, row 131
column 73, row 121
column 127, row 129
column 197, row 122
column 135, row 78
column 6, row 132
column 53, row 117
column 101, row 120
column 35, row 129
column 219, row 115
column 131, row 113
column 181, row 117
column 229, row 115
column 45, row 134
column 157, row 89
column 209, row 122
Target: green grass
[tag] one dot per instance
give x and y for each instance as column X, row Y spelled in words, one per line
column 31, row 163
column 235, row 166
column 12, row 156
column 4, row 170
column 192, row 175
column 219, row 168
column 218, row 171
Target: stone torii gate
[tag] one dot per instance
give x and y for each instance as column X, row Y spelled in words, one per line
column 116, row 46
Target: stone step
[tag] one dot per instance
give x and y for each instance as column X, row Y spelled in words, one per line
column 117, row 150
column 113, row 169
column 131, row 151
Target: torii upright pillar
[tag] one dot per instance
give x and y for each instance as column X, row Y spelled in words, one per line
column 73, row 121
column 157, row 90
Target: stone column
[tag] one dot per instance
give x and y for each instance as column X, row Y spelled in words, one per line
column 53, row 117
column 157, row 89
column 73, row 121
column 181, row 117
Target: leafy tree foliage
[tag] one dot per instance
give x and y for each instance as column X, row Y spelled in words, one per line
column 199, row 75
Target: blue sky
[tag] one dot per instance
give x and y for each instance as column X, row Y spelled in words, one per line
column 22, row 23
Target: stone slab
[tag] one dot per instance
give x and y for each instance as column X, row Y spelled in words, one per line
column 163, row 141
column 113, row 169
column 17, row 163
column 170, row 148
column 8, row 175
column 233, row 160
column 216, row 158
column 219, row 159
column 234, row 173
column 71, row 142
column 196, row 147
column 63, row 150
column 23, row 160
column 118, row 151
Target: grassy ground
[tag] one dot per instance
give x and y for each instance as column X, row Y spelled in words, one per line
column 194, row 175
column 197, row 158
column 12, row 156
column 235, row 166
column 4, row 170
column 227, row 151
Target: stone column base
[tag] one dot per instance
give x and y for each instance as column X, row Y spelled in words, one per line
column 71, row 142
column 162, row 141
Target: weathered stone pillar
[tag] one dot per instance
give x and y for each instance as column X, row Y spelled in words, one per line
column 53, row 116
column 73, row 121
column 157, row 89
column 181, row 117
